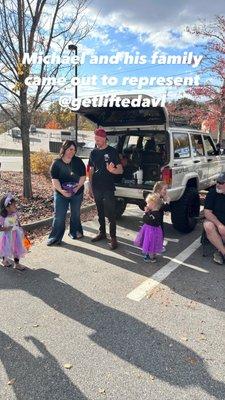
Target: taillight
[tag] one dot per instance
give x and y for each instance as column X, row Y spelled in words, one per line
column 87, row 170
column 167, row 175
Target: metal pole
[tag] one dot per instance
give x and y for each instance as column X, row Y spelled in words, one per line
column 76, row 116
column 73, row 47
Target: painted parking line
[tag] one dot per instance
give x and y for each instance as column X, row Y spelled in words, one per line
column 172, row 240
column 140, row 292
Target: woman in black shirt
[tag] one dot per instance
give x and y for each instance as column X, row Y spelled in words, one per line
column 68, row 176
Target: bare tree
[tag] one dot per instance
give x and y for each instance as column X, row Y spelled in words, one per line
column 30, row 27
column 213, row 68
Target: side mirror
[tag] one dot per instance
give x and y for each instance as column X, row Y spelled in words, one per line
column 176, row 155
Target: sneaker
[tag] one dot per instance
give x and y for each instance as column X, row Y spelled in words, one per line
column 52, row 243
column 152, row 259
column 163, row 249
column 19, row 267
column 218, row 258
column 146, row 258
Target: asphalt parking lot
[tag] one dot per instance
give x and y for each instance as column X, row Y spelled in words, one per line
column 84, row 322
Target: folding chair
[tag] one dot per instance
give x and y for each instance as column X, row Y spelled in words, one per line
column 207, row 247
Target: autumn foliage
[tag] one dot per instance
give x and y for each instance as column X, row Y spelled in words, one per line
column 41, row 162
column 212, row 90
column 52, row 124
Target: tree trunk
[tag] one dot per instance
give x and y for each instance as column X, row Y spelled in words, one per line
column 220, row 131
column 25, row 125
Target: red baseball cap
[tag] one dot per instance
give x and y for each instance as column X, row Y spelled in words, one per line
column 100, row 132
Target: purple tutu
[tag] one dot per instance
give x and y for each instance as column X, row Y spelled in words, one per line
column 150, row 239
column 11, row 244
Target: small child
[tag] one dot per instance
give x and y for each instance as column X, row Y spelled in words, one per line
column 11, row 234
column 150, row 236
column 160, row 188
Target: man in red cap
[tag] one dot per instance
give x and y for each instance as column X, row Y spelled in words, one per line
column 104, row 163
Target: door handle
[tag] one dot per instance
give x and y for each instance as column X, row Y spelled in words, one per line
column 196, row 161
column 209, row 159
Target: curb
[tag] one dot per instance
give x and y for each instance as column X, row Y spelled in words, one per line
column 48, row 221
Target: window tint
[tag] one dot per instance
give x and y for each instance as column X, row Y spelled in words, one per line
column 181, row 145
column 113, row 141
column 210, row 148
column 197, row 144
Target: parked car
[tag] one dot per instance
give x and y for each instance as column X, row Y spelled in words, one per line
column 15, row 133
column 33, row 129
column 185, row 159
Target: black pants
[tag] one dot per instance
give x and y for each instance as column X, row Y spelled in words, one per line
column 105, row 203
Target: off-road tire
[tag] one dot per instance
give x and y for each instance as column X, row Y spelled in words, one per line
column 185, row 212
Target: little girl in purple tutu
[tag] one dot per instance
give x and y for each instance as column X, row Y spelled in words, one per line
column 150, row 236
column 11, row 234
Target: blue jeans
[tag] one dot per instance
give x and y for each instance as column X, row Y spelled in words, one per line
column 61, row 205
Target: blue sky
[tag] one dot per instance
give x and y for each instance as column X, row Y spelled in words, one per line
column 142, row 27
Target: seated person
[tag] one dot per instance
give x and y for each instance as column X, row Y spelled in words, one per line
column 128, row 168
column 214, row 224
column 150, row 144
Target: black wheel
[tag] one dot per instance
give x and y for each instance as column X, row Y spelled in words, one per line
column 184, row 212
column 120, row 207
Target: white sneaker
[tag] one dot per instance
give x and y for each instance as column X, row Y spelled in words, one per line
column 218, row 258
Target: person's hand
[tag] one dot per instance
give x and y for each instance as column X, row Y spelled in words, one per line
column 8, row 228
column 110, row 167
column 166, row 199
column 147, row 209
column 76, row 188
column 65, row 193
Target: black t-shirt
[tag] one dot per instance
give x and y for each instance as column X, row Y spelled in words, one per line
column 68, row 173
column 102, row 179
column 152, row 218
column 165, row 207
column 216, row 202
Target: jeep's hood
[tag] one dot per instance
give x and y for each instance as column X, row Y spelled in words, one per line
column 126, row 116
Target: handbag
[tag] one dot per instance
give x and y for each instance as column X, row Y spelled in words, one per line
column 26, row 242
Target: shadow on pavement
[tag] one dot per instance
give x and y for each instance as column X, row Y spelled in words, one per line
column 117, row 332
column 36, row 377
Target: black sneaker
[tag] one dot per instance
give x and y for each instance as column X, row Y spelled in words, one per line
column 100, row 236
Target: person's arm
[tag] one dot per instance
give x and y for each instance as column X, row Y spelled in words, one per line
column 82, row 174
column 114, row 169
column 80, row 183
column 165, row 207
column 91, row 172
column 4, row 228
column 57, row 186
